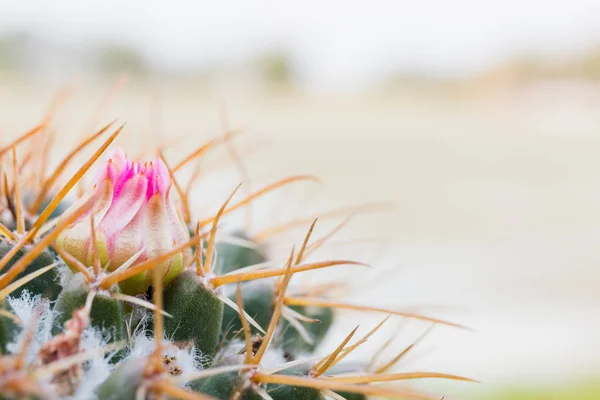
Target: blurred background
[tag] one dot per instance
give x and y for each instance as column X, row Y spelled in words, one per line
column 479, row 120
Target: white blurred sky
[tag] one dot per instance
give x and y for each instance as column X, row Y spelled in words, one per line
column 338, row 44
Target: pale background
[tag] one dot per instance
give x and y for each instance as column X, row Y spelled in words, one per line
column 479, row 120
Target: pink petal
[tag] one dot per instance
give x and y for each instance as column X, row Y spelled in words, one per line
column 124, row 207
column 157, row 231
column 163, row 177
column 129, row 241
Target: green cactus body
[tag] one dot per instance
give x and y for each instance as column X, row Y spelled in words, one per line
column 294, row 343
column 284, row 392
column 259, row 299
column 8, row 328
column 106, row 313
column 47, row 284
column 197, row 313
column 232, row 256
column 352, row 396
column 345, row 368
column 124, row 382
column 223, row 386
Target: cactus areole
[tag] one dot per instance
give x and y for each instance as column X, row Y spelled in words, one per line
column 133, row 211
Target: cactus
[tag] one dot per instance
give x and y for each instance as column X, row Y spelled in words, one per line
column 107, row 313
column 47, row 285
column 197, row 313
column 148, row 302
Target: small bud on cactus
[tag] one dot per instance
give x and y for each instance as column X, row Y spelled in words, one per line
column 133, row 211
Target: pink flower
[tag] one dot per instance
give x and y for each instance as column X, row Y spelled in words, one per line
column 133, row 211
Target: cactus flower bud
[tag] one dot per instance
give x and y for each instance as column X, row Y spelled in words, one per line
column 133, row 212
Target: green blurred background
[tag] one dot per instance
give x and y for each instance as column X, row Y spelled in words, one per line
column 478, row 119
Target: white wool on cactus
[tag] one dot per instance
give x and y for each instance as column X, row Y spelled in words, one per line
column 32, row 310
column 178, row 360
column 97, row 369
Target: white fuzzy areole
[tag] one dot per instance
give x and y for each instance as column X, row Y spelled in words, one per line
column 96, row 370
column 24, row 308
column 186, row 359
